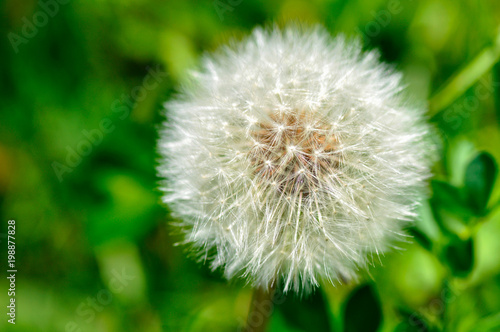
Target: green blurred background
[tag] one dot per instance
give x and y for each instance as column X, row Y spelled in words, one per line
column 82, row 87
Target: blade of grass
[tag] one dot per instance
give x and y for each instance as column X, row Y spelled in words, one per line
column 465, row 77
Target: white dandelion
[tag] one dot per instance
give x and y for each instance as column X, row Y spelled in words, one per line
column 294, row 156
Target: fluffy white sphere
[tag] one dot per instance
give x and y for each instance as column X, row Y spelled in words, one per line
column 293, row 156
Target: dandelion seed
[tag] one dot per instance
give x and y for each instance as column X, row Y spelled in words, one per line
column 331, row 160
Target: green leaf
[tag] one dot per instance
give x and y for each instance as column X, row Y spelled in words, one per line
column 459, row 255
column 421, row 238
column 447, row 202
column 479, row 179
column 363, row 303
column 448, row 197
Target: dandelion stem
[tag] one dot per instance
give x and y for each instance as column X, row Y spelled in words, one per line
column 261, row 309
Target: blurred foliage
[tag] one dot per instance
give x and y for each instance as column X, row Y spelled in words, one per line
column 82, row 86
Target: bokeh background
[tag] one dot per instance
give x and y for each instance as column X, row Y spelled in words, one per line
column 82, row 87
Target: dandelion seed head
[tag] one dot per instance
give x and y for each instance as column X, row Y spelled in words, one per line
column 293, row 155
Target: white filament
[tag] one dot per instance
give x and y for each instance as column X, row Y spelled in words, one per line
column 292, row 155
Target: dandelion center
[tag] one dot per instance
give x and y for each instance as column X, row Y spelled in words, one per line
column 294, row 151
